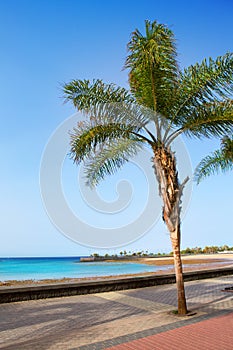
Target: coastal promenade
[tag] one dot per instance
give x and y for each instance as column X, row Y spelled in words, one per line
column 128, row 319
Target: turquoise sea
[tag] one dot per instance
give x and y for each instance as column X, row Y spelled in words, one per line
column 56, row 268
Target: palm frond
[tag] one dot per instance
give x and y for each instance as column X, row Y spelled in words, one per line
column 153, row 69
column 111, row 157
column 121, row 112
column 213, row 164
column 106, row 103
column 86, row 138
column 207, row 120
column 203, row 83
column 227, row 147
column 85, row 94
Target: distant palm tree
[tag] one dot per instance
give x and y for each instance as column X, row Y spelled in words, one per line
column 219, row 160
column 195, row 102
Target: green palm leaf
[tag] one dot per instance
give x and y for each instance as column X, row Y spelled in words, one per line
column 85, row 94
column 213, row 164
column 207, row 120
column 153, row 69
column 227, row 147
column 87, row 138
column 109, row 159
column 203, row 83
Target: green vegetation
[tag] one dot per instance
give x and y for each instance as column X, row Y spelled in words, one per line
column 219, row 160
column 186, row 251
column 207, row 250
column 195, row 102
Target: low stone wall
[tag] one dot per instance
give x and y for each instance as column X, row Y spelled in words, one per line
column 13, row 294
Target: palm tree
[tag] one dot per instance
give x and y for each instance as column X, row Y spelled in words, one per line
column 194, row 102
column 219, row 160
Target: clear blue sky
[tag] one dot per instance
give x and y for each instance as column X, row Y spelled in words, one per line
column 46, row 43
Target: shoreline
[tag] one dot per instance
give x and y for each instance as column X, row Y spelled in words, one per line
column 190, row 263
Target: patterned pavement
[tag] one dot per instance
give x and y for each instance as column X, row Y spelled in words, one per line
column 129, row 319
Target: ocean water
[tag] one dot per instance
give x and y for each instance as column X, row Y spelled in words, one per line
column 56, row 268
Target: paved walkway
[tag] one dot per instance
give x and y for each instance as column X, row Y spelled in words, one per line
column 132, row 319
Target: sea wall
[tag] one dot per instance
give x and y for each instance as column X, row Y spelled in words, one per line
column 13, row 294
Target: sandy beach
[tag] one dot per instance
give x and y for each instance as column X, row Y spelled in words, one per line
column 190, row 263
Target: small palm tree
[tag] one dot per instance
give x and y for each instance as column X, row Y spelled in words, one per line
column 219, row 160
column 194, row 102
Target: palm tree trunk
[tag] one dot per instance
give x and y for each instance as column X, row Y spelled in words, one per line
column 171, row 191
column 181, row 300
